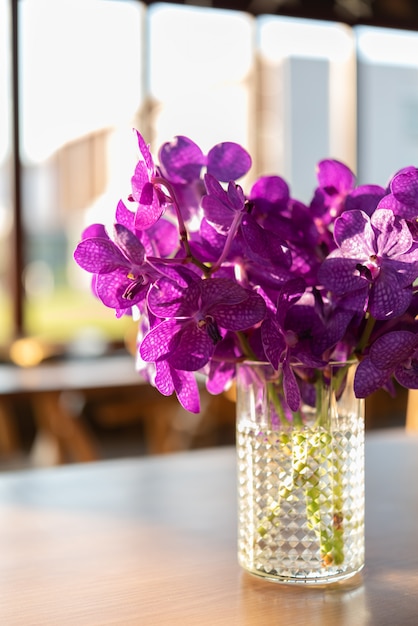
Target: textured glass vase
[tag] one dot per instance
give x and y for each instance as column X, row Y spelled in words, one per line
column 300, row 476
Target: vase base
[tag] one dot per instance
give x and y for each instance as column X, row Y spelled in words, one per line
column 312, row 581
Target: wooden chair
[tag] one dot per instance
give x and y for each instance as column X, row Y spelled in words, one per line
column 412, row 411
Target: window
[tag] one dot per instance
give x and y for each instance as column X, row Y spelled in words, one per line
column 6, row 190
column 290, row 90
column 387, row 101
column 81, row 86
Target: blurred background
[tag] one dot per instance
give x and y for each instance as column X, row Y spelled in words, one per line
column 293, row 81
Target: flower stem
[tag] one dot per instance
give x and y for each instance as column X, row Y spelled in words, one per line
column 231, row 234
column 184, row 238
column 275, row 401
column 245, row 346
column 318, row 446
column 366, row 335
column 310, row 451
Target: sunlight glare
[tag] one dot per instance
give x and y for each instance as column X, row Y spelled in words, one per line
column 75, row 74
column 387, row 46
column 286, row 37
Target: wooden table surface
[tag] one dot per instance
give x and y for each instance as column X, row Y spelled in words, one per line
column 152, row 541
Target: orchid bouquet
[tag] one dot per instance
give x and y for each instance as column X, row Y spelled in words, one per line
column 217, row 276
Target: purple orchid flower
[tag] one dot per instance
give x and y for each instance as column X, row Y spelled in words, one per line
column 219, row 277
column 146, row 189
column 123, row 274
column 281, row 336
column 194, row 317
column 393, row 354
column 375, row 255
column 169, row 379
column 290, row 221
column 223, row 208
column 221, row 368
column 182, row 161
column 341, row 323
column 364, row 198
column 229, row 213
column 273, row 207
column 159, row 240
column 335, row 181
column 162, row 375
column 207, row 244
column 403, row 196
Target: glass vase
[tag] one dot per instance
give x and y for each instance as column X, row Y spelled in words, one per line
column 300, row 475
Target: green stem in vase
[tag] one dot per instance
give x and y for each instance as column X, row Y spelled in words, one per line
column 324, row 515
column 338, row 502
column 275, row 401
column 322, row 407
column 275, row 395
column 316, row 468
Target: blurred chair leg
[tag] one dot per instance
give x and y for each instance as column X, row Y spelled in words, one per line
column 158, row 427
column 66, row 434
column 412, row 411
column 9, row 439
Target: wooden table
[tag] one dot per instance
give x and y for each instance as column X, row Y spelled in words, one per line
column 152, row 541
column 57, row 391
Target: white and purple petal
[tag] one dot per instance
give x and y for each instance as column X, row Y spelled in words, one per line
column 181, row 160
column 407, row 373
column 193, row 350
column 221, row 291
column 393, row 237
column 368, row 378
column 160, row 341
column 393, row 349
column 291, row 387
column 129, row 244
column 340, row 274
column 186, row 389
column 228, row 161
column 99, row 255
column 168, row 299
column 269, row 193
column 273, row 341
column 117, row 291
column 354, row 235
column 240, row 316
column 387, row 299
column 334, row 175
